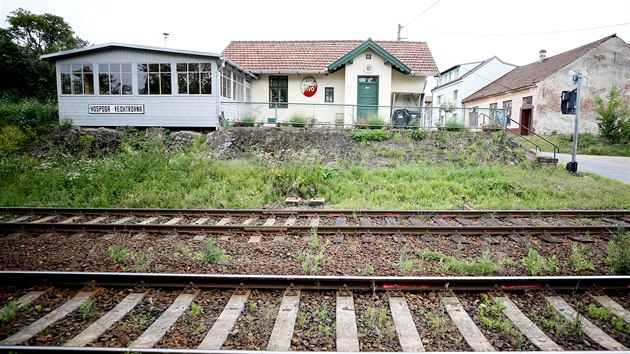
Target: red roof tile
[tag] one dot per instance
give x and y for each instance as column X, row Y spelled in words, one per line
column 530, row 74
column 296, row 56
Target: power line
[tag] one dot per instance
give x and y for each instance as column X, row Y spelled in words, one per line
column 400, row 27
column 422, row 13
column 528, row 34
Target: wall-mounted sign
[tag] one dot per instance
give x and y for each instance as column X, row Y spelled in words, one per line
column 116, row 109
column 309, row 86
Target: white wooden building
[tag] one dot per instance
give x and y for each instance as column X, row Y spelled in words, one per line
column 118, row 84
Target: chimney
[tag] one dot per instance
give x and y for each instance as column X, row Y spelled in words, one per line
column 542, row 55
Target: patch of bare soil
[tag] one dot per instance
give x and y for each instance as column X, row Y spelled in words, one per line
column 336, row 147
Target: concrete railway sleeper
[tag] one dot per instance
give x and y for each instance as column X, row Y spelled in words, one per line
column 260, row 315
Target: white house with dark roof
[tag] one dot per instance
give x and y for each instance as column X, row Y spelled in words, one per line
column 118, row 84
column 333, row 81
column 459, row 81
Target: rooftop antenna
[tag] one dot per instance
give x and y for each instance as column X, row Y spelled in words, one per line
column 400, row 27
column 165, row 38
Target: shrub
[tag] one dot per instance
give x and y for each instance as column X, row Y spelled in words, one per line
column 376, row 122
column 418, row 134
column 298, row 120
column 29, row 113
column 12, row 139
column 453, row 125
column 613, row 117
column 368, row 135
column 248, row 121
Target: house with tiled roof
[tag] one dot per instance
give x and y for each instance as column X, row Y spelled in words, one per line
column 335, row 81
column 530, row 94
column 459, row 81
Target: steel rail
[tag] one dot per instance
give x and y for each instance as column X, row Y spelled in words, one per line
column 307, row 282
column 37, row 349
column 316, row 212
column 321, row 229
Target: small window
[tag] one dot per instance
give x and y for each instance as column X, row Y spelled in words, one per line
column 527, row 100
column 368, row 56
column 455, row 95
column 507, row 106
column 494, row 110
column 278, row 91
column 329, row 94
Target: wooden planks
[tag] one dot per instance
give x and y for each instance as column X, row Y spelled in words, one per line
column 466, row 326
column 31, row 330
column 408, row 336
column 346, row 324
column 223, row 325
column 588, row 328
column 99, row 327
column 156, row 331
column 280, row 339
column 527, row 327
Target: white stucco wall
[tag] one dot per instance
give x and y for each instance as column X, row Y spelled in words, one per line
column 172, row 110
column 345, row 84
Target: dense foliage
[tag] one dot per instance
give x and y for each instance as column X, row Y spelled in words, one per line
column 613, row 117
column 28, row 37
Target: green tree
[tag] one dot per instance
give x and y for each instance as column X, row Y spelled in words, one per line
column 613, row 117
column 28, row 37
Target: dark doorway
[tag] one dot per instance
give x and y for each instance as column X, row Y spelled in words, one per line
column 526, row 121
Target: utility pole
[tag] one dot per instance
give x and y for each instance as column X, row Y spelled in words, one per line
column 400, row 27
column 579, row 78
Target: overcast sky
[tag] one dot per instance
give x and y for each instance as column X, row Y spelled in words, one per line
column 457, row 31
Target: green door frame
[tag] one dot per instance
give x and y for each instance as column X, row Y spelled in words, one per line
column 367, row 96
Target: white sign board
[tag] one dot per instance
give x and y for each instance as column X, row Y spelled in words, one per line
column 116, row 109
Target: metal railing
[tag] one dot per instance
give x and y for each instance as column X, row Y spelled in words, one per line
column 235, row 113
column 509, row 122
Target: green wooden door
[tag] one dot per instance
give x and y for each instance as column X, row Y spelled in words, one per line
column 367, row 96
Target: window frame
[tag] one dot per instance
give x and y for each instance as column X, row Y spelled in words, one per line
column 280, row 88
column 109, row 74
column 329, row 94
column 74, row 77
column 201, row 71
column 162, row 77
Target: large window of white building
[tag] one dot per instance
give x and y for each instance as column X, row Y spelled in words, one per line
column 114, row 79
column 194, row 78
column 77, row 79
column 154, row 79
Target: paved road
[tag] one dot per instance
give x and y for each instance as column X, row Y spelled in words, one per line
column 615, row 167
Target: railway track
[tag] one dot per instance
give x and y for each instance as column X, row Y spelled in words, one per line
column 326, row 222
column 175, row 313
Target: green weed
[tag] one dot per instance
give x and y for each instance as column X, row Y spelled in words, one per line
column 605, row 314
column 618, row 254
column 367, row 270
column 86, row 309
column 580, row 259
column 12, row 310
column 534, row 262
column 195, row 310
column 212, row 253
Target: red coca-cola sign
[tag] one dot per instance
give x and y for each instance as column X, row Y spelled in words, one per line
column 309, row 86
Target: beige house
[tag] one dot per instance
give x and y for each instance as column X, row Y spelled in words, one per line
column 530, row 94
column 331, row 82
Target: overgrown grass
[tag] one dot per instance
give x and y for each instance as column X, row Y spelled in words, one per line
column 588, row 144
column 149, row 175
